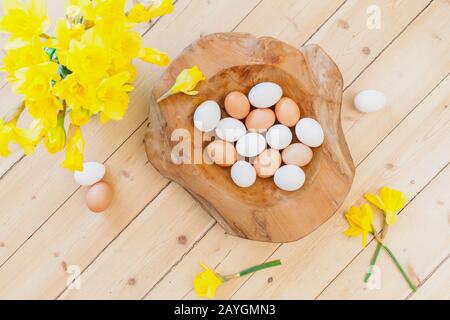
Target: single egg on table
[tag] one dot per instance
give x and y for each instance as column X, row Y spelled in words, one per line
column 207, row 116
column 297, row 154
column 309, row 132
column 267, row 163
column 99, row 197
column 237, row 105
column 251, row 144
column 230, row 129
column 92, row 173
column 243, row 174
column 265, row 94
column 287, row 112
column 279, row 136
column 221, row 153
column 260, row 120
column 370, row 101
column 289, row 177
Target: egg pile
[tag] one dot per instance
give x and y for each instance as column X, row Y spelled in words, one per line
column 256, row 138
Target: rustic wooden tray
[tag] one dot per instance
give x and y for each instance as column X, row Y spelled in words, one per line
column 236, row 61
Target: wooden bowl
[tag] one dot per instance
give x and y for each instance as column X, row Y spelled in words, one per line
column 236, row 61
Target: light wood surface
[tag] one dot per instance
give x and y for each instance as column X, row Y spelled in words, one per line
column 150, row 241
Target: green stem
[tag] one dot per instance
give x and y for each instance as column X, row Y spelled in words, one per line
column 373, row 262
column 405, row 276
column 260, row 267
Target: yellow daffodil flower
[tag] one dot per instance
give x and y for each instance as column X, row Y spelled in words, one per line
column 139, row 13
column 390, row 201
column 75, row 151
column 89, row 57
column 186, row 82
column 24, row 19
column 45, row 109
column 24, row 56
column 35, row 81
column 6, row 137
column 30, row 137
column 65, row 33
column 112, row 96
column 79, row 117
column 79, row 8
column 206, row 282
column 360, row 220
column 55, row 139
column 75, row 92
column 154, row 56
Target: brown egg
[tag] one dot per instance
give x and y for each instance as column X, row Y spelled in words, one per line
column 287, row 112
column 267, row 163
column 99, row 197
column 237, row 105
column 259, row 120
column 297, row 154
column 222, row 153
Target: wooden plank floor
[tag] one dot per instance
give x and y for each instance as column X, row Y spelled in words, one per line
column 148, row 244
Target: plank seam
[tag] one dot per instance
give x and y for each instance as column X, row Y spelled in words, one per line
column 194, row 244
column 428, row 277
column 389, row 44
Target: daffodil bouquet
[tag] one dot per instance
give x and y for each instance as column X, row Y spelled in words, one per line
column 85, row 69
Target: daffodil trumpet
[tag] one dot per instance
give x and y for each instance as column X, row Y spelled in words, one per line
column 207, row 281
column 185, row 83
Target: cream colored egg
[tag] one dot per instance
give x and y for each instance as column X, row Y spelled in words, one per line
column 297, row 154
column 370, row 101
column 267, row 163
column 251, row 144
column 289, row 178
column 207, row 116
column 221, row 153
column 279, row 136
column 265, row 94
column 243, row 174
column 309, row 132
column 230, row 129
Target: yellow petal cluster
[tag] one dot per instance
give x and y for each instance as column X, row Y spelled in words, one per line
column 360, row 220
column 185, row 82
column 140, row 13
column 84, row 70
column 75, row 151
column 206, row 282
column 390, row 201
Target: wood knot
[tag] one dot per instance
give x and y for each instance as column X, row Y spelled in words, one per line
column 343, row 24
column 182, row 239
column 131, row 281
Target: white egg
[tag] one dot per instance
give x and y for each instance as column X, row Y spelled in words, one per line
column 279, row 137
column 92, row 173
column 207, row 116
column 230, row 129
column 265, row 94
column 251, row 144
column 243, row 174
column 309, row 132
column 289, row 178
column 370, row 101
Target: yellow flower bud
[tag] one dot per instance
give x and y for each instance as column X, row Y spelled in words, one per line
column 186, row 82
column 55, row 139
column 75, row 151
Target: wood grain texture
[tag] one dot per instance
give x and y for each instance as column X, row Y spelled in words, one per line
column 48, row 214
column 308, row 76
